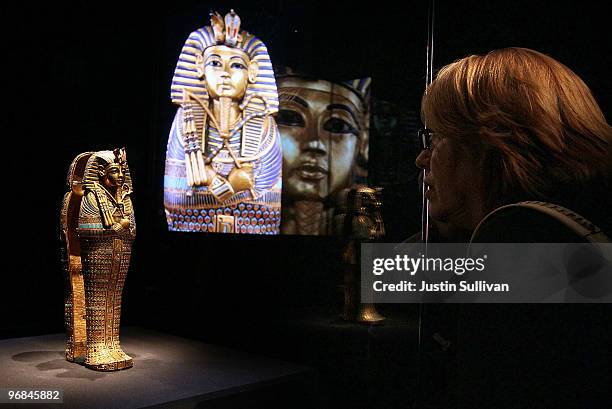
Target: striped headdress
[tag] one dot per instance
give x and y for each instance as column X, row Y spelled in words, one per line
column 186, row 77
column 102, row 159
column 361, row 87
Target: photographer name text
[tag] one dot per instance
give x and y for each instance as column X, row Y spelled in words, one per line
column 441, row 287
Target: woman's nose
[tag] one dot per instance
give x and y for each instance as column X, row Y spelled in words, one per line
column 422, row 161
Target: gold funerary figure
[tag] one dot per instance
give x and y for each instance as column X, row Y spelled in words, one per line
column 98, row 228
column 358, row 220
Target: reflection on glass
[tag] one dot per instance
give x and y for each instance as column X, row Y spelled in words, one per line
column 324, row 130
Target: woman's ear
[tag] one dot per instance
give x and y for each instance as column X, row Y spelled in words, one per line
column 253, row 70
column 199, row 63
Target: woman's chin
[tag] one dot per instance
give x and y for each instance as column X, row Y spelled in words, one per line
column 437, row 212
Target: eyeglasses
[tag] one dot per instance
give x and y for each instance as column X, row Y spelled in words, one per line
column 425, row 136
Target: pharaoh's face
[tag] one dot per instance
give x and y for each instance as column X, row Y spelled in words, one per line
column 226, row 72
column 114, row 176
column 319, row 123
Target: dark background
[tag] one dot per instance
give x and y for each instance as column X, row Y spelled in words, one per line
column 96, row 75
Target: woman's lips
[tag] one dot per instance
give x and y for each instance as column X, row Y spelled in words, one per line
column 311, row 171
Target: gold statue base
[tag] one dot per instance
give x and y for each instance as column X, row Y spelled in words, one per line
column 366, row 314
column 112, row 365
column 107, row 361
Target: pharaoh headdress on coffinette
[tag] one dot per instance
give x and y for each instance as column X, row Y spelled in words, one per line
column 223, row 173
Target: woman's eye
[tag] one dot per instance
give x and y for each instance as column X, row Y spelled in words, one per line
column 337, row 125
column 435, row 140
column 288, row 117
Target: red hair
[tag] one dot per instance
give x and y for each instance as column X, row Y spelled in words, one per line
column 534, row 122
